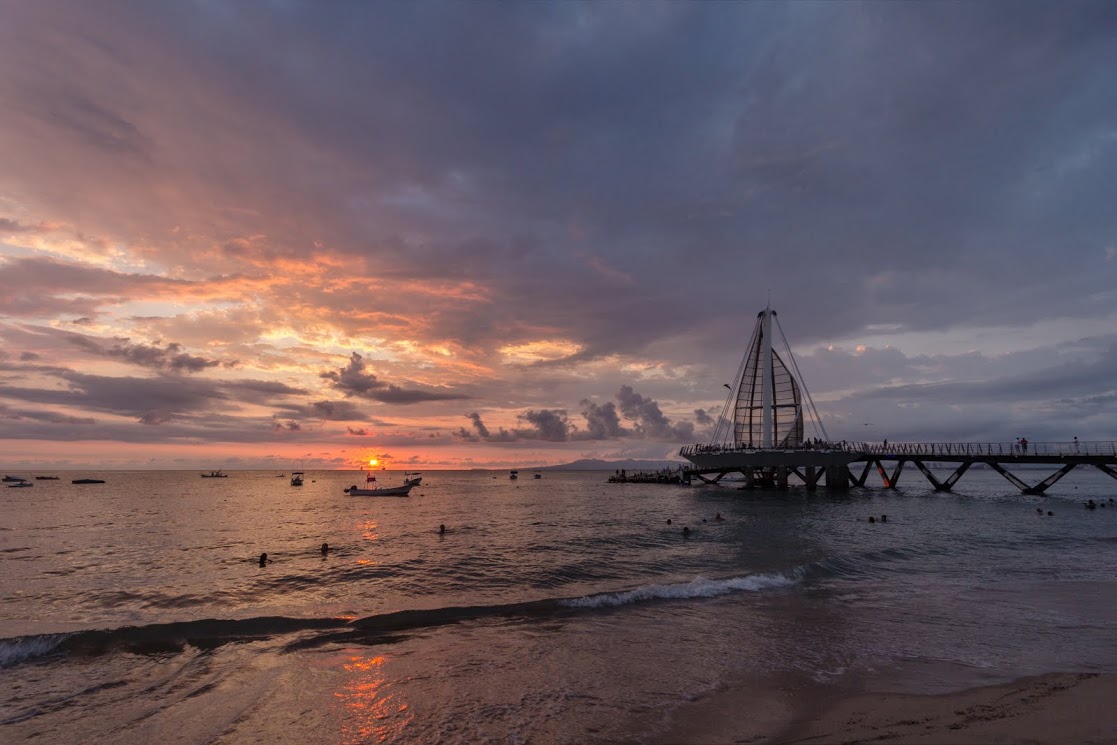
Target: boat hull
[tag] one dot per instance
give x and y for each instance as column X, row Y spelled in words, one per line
column 388, row 491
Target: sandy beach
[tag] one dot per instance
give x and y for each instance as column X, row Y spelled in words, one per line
column 1055, row 709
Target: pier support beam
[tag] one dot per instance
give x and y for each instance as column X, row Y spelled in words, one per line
column 950, row 481
column 1106, row 469
column 860, row 480
column 1039, row 488
column 890, row 481
column 838, row 477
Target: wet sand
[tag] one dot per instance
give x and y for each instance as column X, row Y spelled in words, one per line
column 1056, row 709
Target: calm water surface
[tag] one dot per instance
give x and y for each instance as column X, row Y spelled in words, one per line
column 554, row 610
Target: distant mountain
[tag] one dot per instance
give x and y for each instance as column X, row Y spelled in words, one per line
column 593, row 464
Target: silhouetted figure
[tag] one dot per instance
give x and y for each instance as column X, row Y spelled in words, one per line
column 703, row 519
column 668, row 521
column 325, row 548
column 441, row 529
column 718, row 518
column 686, row 531
column 884, row 518
column 263, row 560
column 872, row 519
column 1050, row 513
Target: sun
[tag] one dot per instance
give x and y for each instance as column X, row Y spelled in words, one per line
column 372, row 461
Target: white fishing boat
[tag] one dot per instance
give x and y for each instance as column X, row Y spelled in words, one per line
column 296, row 478
column 513, row 474
column 372, row 490
column 412, row 478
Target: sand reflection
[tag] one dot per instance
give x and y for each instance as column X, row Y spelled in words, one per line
column 372, row 712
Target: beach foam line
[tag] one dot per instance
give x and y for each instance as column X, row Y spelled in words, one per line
column 173, row 637
column 699, row 587
column 24, row 648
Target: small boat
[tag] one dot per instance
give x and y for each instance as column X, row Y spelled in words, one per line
column 513, row 474
column 412, row 478
column 371, row 490
column 296, row 478
column 18, row 484
column 538, row 475
column 215, row 475
column 46, row 478
column 8, row 479
column 87, row 481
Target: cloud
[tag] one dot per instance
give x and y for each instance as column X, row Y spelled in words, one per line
column 650, row 421
column 602, row 421
column 352, row 380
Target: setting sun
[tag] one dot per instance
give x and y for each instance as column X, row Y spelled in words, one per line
column 372, row 461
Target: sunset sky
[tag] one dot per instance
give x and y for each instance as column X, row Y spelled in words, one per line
column 455, row 235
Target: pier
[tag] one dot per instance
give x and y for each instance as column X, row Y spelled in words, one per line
column 761, row 435
column 844, row 465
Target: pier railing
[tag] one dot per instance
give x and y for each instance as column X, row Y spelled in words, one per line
column 930, row 449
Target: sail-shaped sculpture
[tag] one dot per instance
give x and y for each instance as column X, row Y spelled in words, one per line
column 768, row 410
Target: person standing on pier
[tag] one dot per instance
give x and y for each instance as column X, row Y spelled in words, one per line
column 1024, row 445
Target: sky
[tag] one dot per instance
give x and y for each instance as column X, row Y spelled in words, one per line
column 499, row 235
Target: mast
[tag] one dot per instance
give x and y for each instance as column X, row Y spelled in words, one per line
column 767, row 383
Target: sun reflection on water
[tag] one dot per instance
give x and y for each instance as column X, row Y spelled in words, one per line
column 368, row 530
column 371, row 711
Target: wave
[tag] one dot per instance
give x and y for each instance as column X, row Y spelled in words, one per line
column 165, row 638
column 23, row 648
column 696, row 588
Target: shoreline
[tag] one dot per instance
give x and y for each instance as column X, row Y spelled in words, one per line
column 1050, row 709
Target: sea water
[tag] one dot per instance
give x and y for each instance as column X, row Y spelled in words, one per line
column 560, row 609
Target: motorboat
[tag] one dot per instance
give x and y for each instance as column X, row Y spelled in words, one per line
column 46, row 478
column 538, row 475
column 88, row 481
column 296, row 478
column 9, row 479
column 215, row 475
column 371, row 490
column 513, row 474
column 412, row 478
column 18, row 484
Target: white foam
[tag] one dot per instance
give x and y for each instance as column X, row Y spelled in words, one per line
column 15, row 651
column 699, row 587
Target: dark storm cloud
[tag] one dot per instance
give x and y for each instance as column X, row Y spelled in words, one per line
column 630, row 178
column 352, row 380
column 602, row 421
column 650, row 421
column 153, row 401
column 482, row 430
column 168, row 358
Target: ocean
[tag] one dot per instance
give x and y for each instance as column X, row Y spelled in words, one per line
column 553, row 610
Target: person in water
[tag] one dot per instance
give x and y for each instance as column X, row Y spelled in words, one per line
column 718, row 518
column 264, row 560
column 325, row 548
column 686, row 531
column 442, row 529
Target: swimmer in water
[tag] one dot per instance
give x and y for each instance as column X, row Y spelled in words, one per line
column 686, row 531
column 718, row 518
column 442, row 530
column 325, row 548
column 264, row 560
